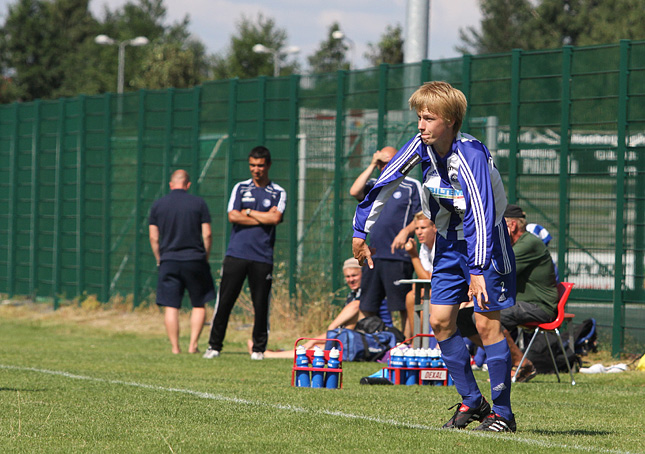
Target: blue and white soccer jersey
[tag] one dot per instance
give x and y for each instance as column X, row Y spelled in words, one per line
column 540, row 232
column 463, row 194
column 426, row 256
column 397, row 214
column 254, row 242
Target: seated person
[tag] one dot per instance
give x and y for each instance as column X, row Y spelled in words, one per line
column 425, row 231
column 348, row 316
column 537, row 292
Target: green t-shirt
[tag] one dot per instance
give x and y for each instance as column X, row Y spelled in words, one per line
column 536, row 281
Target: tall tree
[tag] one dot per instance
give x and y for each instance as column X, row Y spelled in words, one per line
column 241, row 61
column 389, row 49
column 169, row 65
column 547, row 24
column 37, row 39
column 503, row 27
column 47, row 49
column 331, row 55
column 172, row 59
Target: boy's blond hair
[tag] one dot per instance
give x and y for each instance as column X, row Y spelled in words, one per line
column 421, row 215
column 442, row 99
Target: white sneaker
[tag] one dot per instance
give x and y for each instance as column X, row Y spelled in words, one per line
column 616, row 368
column 257, row 356
column 211, row 353
column 595, row 369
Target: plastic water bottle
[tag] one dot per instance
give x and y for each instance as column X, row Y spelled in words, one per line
column 424, row 362
column 411, row 376
column 435, row 362
column 302, row 376
column 317, row 376
column 396, row 361
column 435, row 358
column 331, row 378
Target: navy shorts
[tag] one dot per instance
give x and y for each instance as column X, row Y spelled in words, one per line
column 378, row 283
column 177, row 276
column 451, row 278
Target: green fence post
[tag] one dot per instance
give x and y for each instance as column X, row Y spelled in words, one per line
column 167, row 147
column 382, row 105
column 426, row 71
column 617, row 336
column 563, row 175
column 232, row 125
column 107, row 197
column 514, row 123
column 294, row 271
column 80, row 192
column 639, row 228
column 262, row 101
column 466, row 65
column 35, row 196
column 13, row 205
column 197, row 97
column 138, row 210
column 58, row 202
column 338, row 179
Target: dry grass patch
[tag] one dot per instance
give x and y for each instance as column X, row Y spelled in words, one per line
column 289, row 319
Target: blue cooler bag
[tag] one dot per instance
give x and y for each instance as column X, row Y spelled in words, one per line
column 358, row 346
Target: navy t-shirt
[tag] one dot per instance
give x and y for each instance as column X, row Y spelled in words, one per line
column 254, row 242
column 397, row 213
column 179, row 217
column 383, row 312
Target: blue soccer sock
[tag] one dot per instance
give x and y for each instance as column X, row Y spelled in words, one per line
column 455, row 354
column 499, row 370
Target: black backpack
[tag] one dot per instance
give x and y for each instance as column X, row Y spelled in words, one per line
column 541, row 359
column 586, row 338
column 374, row 324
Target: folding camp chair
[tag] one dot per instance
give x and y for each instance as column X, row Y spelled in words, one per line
column 564, row 290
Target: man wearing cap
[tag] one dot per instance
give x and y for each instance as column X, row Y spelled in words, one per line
column 537, row 292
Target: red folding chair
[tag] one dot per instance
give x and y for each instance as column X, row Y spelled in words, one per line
column 564, row 290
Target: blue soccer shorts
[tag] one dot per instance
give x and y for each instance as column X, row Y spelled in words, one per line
column 451, row 278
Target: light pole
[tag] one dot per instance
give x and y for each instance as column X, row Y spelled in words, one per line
column 107, row 41
column 340, row 35
column 276, row 54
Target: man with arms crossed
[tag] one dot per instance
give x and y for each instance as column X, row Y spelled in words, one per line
column 255, row 209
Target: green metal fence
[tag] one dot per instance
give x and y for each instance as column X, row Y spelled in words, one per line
column 566, row 127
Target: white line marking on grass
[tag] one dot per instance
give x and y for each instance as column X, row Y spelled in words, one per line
column 236, row 400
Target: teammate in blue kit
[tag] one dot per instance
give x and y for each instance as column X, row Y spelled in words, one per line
column 391, row 264
column 463, row 194
column 255, row 209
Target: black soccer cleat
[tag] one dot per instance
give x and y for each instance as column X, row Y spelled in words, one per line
column 464, row 415
column 495, row 423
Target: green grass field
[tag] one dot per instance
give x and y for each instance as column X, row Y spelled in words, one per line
column 67, row 387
